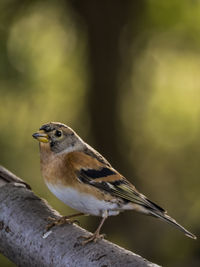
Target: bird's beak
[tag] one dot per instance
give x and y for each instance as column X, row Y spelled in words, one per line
column 41, row 136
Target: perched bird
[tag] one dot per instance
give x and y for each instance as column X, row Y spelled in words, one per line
column 84, row 180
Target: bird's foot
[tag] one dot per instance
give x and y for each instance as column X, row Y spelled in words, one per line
column 60, row 221
column 92, row 238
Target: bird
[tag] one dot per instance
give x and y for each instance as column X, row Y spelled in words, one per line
column 83, row 179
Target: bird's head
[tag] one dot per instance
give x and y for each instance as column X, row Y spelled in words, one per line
column 58, row 137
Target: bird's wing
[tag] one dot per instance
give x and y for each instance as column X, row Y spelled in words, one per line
column 92, row 172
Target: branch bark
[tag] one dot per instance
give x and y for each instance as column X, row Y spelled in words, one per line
column 23, row 217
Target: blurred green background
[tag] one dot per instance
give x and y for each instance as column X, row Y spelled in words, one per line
column 126, row 76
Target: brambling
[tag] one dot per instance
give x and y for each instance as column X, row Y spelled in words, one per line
column 84, row 180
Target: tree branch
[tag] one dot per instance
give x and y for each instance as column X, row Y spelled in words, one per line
column 23, row 217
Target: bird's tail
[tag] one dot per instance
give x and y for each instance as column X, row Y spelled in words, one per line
column 142, row 204
column 153, row 209
column 163, row 216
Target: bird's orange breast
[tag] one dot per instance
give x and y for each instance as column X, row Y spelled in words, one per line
column 60, row 170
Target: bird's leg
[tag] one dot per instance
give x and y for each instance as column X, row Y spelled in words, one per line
column 96, row 235
column 63, row 220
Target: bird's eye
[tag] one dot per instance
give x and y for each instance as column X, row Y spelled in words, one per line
column 58, row 133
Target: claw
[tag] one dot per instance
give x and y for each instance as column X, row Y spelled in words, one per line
column 92, row 238
column 51, row 219
column 63, row 220
column 59, row 221
column 96, row 236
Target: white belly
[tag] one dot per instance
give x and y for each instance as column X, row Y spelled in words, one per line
column 83, row 202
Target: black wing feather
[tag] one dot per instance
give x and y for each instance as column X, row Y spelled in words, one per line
column 118, row 188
